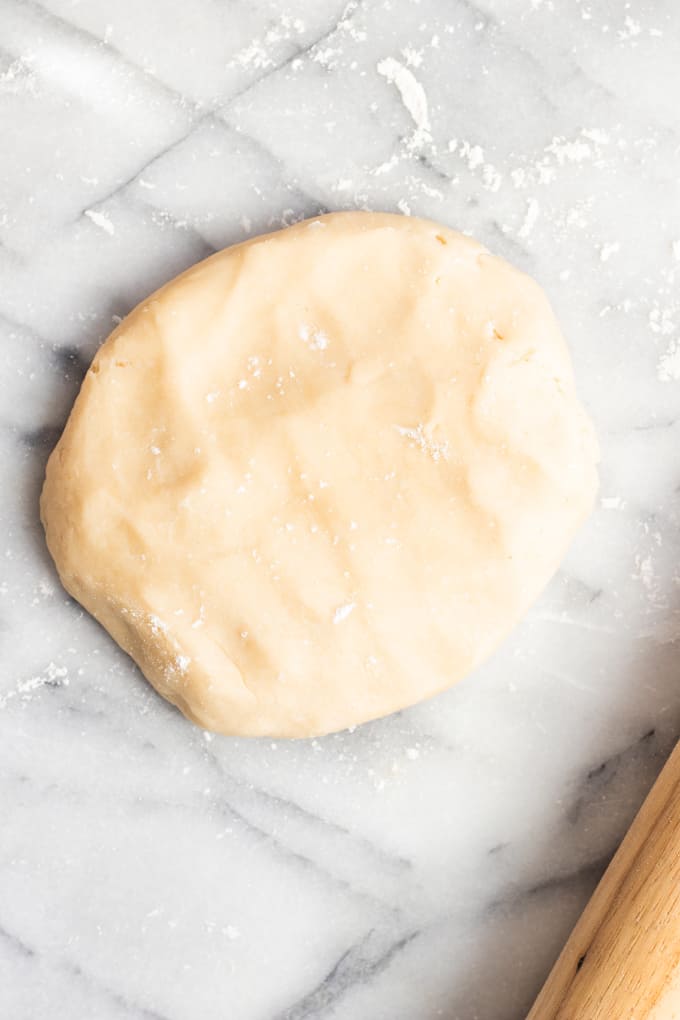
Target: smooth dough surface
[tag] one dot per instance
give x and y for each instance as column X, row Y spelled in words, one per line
column 320, row 475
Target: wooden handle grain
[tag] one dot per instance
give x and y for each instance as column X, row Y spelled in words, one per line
column 622, row 961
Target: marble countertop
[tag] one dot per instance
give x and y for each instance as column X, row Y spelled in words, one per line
column 431, row 864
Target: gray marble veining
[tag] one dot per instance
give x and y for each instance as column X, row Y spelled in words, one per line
column 431, row 864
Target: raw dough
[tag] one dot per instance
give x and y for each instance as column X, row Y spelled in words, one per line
column 320, row 475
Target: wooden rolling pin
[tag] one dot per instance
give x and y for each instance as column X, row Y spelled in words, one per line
column 622, row 961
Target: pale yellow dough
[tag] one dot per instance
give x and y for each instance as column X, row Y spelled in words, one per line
column 320, row 475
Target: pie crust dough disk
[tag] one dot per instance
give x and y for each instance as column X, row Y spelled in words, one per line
column 319, row 476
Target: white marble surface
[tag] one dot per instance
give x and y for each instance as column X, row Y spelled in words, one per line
column 429, row 865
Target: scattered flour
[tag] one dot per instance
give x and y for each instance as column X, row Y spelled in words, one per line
column 19, row 77
column 588, row 146
column 631, row 29
column 52, row 676
column 101, row 220
column 345, row 23
column 661, row 320
column 607, row 250
column 258, row 55
column 42, row 590
column 565, row 151
column 474, row 159
column 532, row 214
column 668, row 368
column 473, row 154
column 426, row 188
column 326, row 56
column 385, row 167
column 412, row 96
column 646, row 574
column 413, row 57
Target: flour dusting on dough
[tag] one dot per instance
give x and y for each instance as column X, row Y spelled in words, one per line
column 316, row 339
column 424, row 442
column 342, row 612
